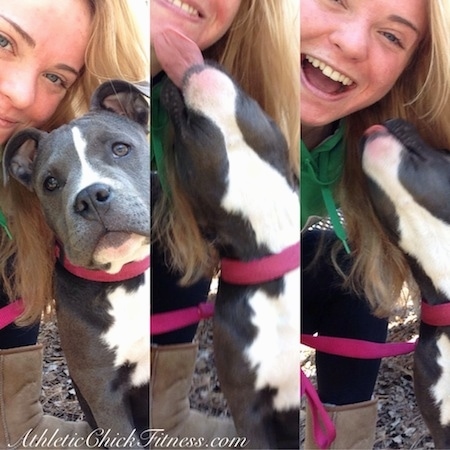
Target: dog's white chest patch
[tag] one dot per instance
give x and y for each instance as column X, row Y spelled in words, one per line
column 129, row 336
column 268, row 202
column 441, row 390
column 422, row 235
column 274, row 353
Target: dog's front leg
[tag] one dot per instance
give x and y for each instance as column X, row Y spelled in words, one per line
column 102, row 387
column 249, row 408
column 431, row 382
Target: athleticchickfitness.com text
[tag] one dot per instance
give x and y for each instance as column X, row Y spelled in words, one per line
column 100, row 438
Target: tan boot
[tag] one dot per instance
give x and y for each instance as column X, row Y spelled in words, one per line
column 355, row 426
column 23, row 423
column 172, row 369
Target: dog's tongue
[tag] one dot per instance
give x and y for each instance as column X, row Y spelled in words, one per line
column 320, row 81
column 176, row 53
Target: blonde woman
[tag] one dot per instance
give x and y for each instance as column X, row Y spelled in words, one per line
column 52, row 56
column 257, row 42
column 363, row 62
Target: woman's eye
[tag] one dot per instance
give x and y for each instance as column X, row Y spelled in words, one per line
column 119, row 149
column 51, row 183
column 55, row 79
column 4, row 42
column 340, row 2
column 392, row 38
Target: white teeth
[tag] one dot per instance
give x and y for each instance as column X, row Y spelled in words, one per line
column 185, row 7
column 329, row 72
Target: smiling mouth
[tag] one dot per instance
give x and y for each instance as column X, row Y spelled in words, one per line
column 185, row 7
column 324, row 77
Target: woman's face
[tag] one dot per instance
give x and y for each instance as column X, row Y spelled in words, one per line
column 353, row 51
column 42, row 46
column 203, row 21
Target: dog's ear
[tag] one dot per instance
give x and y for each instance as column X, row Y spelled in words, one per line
column 125, row 99
column 19, row 155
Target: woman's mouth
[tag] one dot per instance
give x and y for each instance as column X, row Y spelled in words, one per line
column 185, row 7
column 325, row 78
column 7, row 122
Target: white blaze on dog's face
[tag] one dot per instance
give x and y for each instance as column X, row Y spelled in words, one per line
column 92, row 178
column 255, row 189
column 411, row 180
column 114, row 248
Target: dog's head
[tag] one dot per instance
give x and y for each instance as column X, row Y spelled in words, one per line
column 409, row 188
column 231, row 158
column 92, row 177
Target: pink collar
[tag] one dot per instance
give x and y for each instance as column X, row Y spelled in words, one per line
column 128, row 271
column 435, row 315
column 261, row 270
column 235, row 272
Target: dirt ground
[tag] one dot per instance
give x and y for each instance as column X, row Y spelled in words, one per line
column 58, row 395
column 400, row 425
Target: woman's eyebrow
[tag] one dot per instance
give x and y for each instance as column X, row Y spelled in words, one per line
column 32, row 43
column 28, row 39
column 402, row 20
column 68, row 69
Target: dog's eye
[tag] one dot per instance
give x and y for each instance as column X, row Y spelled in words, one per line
column 120, row 149
column 51, row 183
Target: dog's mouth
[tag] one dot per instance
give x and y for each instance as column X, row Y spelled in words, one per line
column 324, row 77
column 118, row 246
column 114, row 239
column 403, row 131
column 375, row 130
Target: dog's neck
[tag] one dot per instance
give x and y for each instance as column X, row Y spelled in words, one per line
column 431, row 292
column 425, row 239
column 257, row 218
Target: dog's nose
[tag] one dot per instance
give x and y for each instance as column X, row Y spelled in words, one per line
column 93, row 201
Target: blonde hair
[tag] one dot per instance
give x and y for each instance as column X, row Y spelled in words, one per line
column 115, row 50
column 261, row 51
column 421, row 96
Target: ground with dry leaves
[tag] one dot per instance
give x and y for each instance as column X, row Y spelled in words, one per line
column 59, row 398
column 399, row 425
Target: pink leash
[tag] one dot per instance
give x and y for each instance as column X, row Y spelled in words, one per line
column 232, row 271
column 173, row 320
column 355, row 348
column 10, row 312
column 323, row 428
column 324, row 432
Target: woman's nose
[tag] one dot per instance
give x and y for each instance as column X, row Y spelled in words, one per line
column 19, row 88
column 352, row 39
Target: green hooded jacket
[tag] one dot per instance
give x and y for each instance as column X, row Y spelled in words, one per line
column 321, row 171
